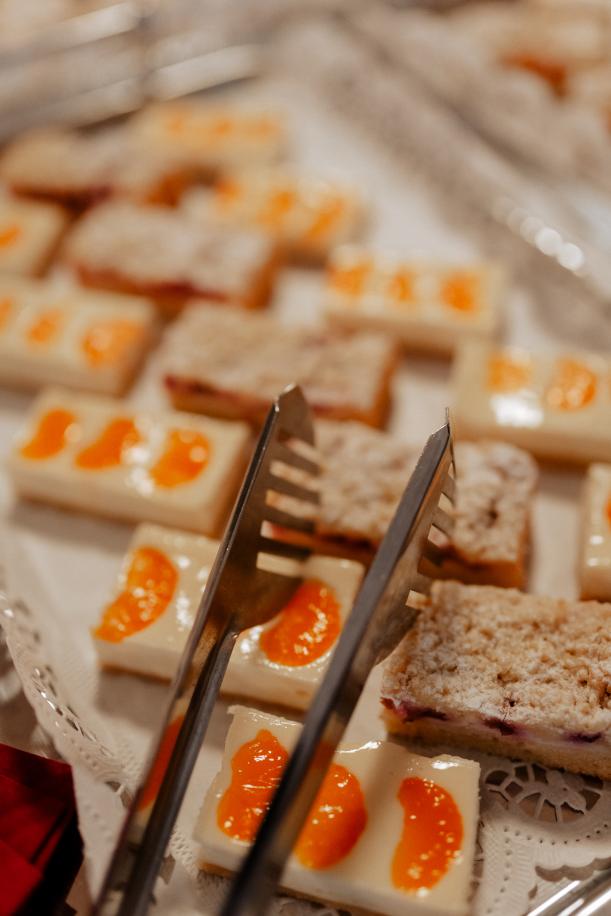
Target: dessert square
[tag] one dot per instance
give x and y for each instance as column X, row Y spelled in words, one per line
column 364, row 473
column 230, row 364
column 557, row 407
column 211, row 137
column 29, row 235
column 145, row 625
column 595, row 567
column 427, row 306
column 78, row 170
column 113, row 459
column 162, row 254
column 389, row 832
column 306, row 215
column 457, row 677
column 71, row 337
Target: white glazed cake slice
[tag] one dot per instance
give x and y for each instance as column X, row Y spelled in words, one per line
column 427, row 306
column 507, row 673
column 557, row 407
column 211, row 137
column 29, row 235
column 595, row 570
column 145, row 625
column 71, row 337
column 308, row 216
column 163, row 254
column 114, row 459
column 226, row 363
column 392, row 832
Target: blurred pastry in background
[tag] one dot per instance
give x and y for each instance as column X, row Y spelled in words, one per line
column 211, row 137
column 557, row 407
column 389, row 831
column 80, row 169
column 146, row 623
column 112, row 459
column 228, row 364
column 170, row 258
column 518, row 675
column 427, row 306
column 57, row 335
column 595, row 559
column 307, row 216
column 29, row 235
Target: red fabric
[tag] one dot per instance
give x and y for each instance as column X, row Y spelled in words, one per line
column 39, row 843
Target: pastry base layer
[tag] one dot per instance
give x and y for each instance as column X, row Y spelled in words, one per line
column 577, row 759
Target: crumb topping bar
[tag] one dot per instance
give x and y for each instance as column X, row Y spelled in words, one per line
column 364, row 475
column 159, row 252
column 29, row 235
column 457, row 676
column 81, row 169
column 231, row 364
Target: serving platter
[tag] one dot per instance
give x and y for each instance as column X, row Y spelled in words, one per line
column 537, row 827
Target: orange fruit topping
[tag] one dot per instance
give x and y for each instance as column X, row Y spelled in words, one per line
column 9, row 235
column 432, row 834
column 401, row 287
column 150, row 584
column 186, row 455
column 107, row 341
column 50, row 436
column 305, row 629
column 108, row 449
column 509, row 373
column 460, row 291
column 572, row 387
column 328, row 214
column 350, row 279
column 44, row 327
column 335, row 822
column 256, row 771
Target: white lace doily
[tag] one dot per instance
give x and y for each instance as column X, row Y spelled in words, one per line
column 537, row 826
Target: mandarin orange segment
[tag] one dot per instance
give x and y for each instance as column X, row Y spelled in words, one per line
column 328, row 215
column 349, row 280
column 6, row 307
column 51, row 435
column 228, row 192
column 432, row 834
column 277, row 207
column 106, row 342
column 461, row 291
column 108, row 450
column 45, row 327
column 186, row 455
column 10, row 234
column 335, row 822
column 508, row 373
column 150, row 585
column 256, row 770
column 401, row 287
column 608, row 510
column 306, row 628
column 572, row 387
column 153, row 783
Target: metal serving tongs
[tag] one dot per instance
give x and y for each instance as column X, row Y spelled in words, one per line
column 247, row 586
column 381, row 616
column 581, row 897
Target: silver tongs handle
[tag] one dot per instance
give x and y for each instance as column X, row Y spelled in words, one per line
column 581, row 897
